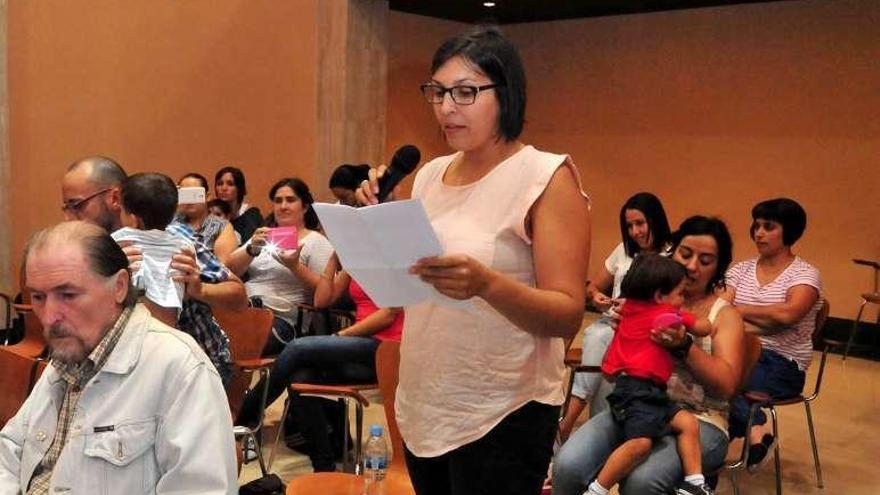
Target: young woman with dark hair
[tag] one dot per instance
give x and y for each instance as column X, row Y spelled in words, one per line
column 229, row 185
column 643, row 229
column 346, row 179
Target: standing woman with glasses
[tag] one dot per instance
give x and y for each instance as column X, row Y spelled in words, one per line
column 479, row 393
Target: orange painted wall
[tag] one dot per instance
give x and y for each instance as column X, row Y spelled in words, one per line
column 161, row 86
column 712, row 109
column 412, row 41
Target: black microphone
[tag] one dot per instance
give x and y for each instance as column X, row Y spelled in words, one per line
column 404, row 161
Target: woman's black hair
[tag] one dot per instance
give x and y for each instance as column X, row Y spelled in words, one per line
column 237, row 178
column 496, row 57
column 301, row 189
column 655, row 215
column 715, row 228
column 349, row 176
column 197, row 176
column 787, row 212
column 649, row 273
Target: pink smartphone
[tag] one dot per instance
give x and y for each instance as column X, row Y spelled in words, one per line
column 283, row 237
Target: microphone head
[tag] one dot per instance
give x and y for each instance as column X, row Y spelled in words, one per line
column 405, row 159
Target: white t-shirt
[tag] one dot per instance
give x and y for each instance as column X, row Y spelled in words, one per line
column 277, row 286
column 617, row 264
column 795, row 342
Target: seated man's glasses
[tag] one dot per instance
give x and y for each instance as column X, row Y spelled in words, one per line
column 75, row 205
column 462, row 95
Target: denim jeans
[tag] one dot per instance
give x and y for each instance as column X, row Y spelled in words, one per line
column 579, row 460
column 321, row 359
column 773, row 374
column 593, row 387
column 511, row 459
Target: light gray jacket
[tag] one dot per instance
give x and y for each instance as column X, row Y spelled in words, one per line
column 154, row 419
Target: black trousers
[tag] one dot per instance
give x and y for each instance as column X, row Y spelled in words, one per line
column 511, row 459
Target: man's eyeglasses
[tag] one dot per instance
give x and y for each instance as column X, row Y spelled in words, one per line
column 74, row 205
column 462, row 95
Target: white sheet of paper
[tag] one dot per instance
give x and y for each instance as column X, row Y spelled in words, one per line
column 155, row 272
column 377, row 244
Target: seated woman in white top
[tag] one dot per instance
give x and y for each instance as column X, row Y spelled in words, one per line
column 643, row 229
column 778, row 295
column 280, row 279
column 480, row 383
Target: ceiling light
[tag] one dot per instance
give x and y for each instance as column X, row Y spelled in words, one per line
column 488, row 4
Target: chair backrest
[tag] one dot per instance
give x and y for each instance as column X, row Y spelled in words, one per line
column 821, row 316
column 387, row 372
column 15, row 382
column 311, row 320
column 247, row 331
column 818, row 332
column 33, row 345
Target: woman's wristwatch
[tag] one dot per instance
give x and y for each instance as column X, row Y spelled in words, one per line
column 252, row 251
column 681, row 352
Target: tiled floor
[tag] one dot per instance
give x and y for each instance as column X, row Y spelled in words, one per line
column 847, row 419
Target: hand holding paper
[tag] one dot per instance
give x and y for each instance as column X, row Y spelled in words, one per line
column 457, row 276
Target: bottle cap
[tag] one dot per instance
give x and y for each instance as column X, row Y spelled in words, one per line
column 376, row 430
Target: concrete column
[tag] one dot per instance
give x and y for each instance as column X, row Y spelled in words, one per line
column 6, row 284
column 352, row 72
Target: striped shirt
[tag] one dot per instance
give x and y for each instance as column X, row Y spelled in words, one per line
column 76, row 376
column 796, row 341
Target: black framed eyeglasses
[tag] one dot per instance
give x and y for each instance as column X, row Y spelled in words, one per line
column 462, row 95
column 74, row 205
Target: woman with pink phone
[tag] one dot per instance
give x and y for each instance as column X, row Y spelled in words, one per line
column 283, row 261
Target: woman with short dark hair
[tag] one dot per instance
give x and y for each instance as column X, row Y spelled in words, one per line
column 346, row 179
column 479, row 395
column 778, row 294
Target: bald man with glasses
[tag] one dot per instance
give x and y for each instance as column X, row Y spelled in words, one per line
column 91, row 190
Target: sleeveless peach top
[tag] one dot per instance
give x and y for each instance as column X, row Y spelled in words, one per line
column 462, row 371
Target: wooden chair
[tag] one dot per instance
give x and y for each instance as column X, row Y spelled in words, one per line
column 15, row 382
column 762, row 400
column 247, row 331
column 21, row 363
column 33, row 345
column 397, row 480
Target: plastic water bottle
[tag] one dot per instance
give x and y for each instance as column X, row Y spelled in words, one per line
column 375, row 461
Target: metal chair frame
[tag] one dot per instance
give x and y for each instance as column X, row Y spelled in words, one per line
column 759, row 400
column 867, row 298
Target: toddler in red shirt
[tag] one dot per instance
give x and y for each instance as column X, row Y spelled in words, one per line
column 653, row 292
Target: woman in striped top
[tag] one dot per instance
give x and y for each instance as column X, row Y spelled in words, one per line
column 778, row 295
